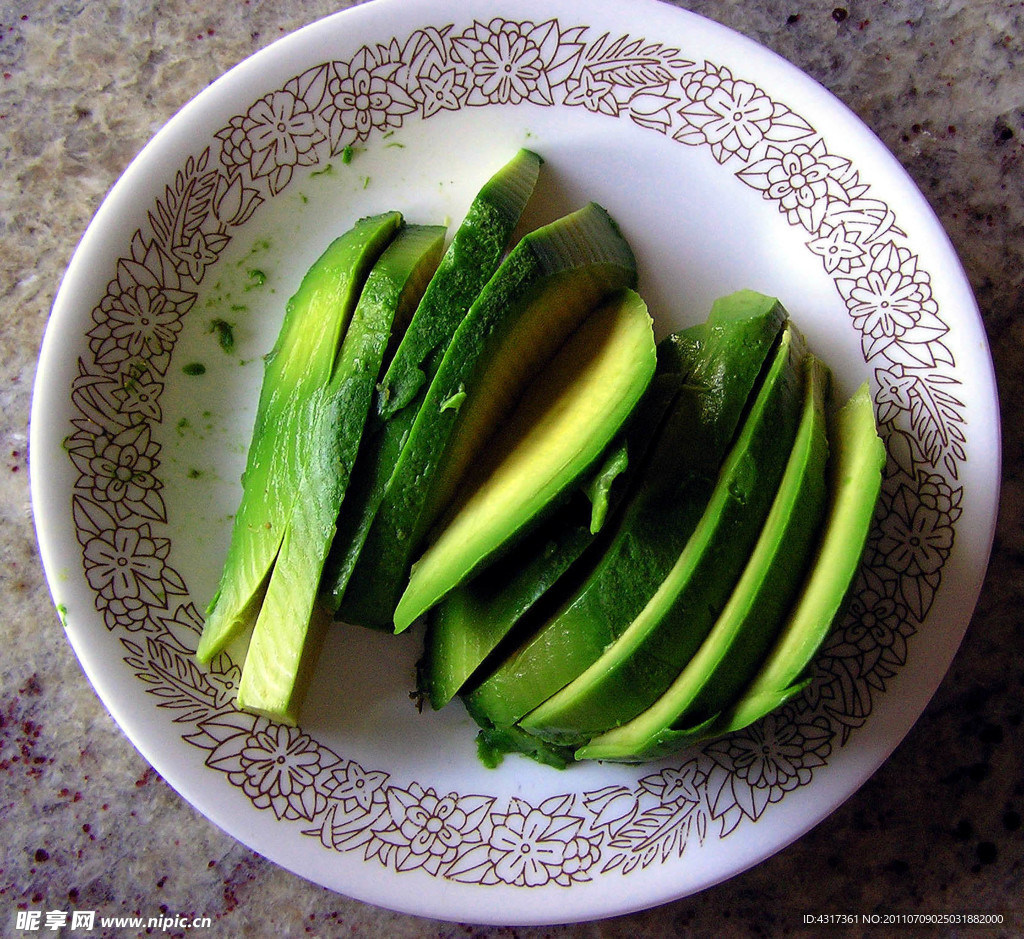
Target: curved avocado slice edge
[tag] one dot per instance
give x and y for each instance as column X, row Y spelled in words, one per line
column 856, row 481
column 747, row 625
column 470, row 622
column 475, row 252
column 296, row 371
column 653, row 526
column 538, row 296
column 289, row 630
column 734, row 550
column 559, row 428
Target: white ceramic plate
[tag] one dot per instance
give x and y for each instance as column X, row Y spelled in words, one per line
column 726, row 168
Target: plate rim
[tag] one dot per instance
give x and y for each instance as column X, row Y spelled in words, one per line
column 43, row 393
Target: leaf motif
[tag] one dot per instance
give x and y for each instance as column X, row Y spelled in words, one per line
column 311, row 86
column 556, row 805
column 90, row 518
column 690, row 136
column 279, row 178
column 785, row 126
column 918, row 595
column 470, row 866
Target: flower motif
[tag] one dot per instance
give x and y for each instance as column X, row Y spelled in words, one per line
column 508, row 66
column 769, row 754
column 872, row 622
column 442, row 91
column 130, row 613
column 223, row 678
column 741, row 111
column 885, row 304
column 612, row 806
column 677, row 786
column 138, row 397
column 118, row 561
column 280, row 131
column 512, row 62
column 891, row 304
column 838, row 248
column 937, row 494
column 653, row 110
column 366, row 100
column 800, row 180
column 356, row 787
column 918, row 543
column 524, row 852
column 758, row 766
column 234, row 203
column 797, row 180
column 579, row 856
column 141, row 321
column 120, row 469
column 701, row 83
column 280, row 764
column 434, row 825
column 236, row 147
column 431, row 831
column 594, row 94
column 895, row 391
column 199, row 253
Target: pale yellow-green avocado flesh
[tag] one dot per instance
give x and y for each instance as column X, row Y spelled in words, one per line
column 566, row 418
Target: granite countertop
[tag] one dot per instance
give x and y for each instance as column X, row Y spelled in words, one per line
column 88, row 824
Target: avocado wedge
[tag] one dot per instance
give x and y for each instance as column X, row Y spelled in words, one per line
column 598, row 604
column 288, row 631
column 855, row 483
column 476, row 250
column 470, row 622
column 568, row 415
column 292, row 431
column 672, row 631
column 750, row 620
column 538, row 296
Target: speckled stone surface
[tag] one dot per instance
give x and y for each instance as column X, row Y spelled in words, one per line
column 87, row 824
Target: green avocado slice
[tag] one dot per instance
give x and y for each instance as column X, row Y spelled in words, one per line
column 288, row 631
column 290, row 434
column 856, row 481
column 632, row 672
column 538, row 296
column 470, row 622
column 567, row 416
column 750, row 620
column 476, row 250
column 598, row 604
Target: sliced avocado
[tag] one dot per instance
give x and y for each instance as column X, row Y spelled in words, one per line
column 567, row 416
column 472, row 258
column 654, row 525
column 632, row 672
column 289, row 437
column 855, row 482
column 287, row 634
column 469, row 623
column 534, row 301
column 751, row 618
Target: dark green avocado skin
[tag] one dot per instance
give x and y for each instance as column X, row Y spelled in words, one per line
column 632, row 673
column 654, row 525
column 554, row 275
column 476, row 250
column 470, row 622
